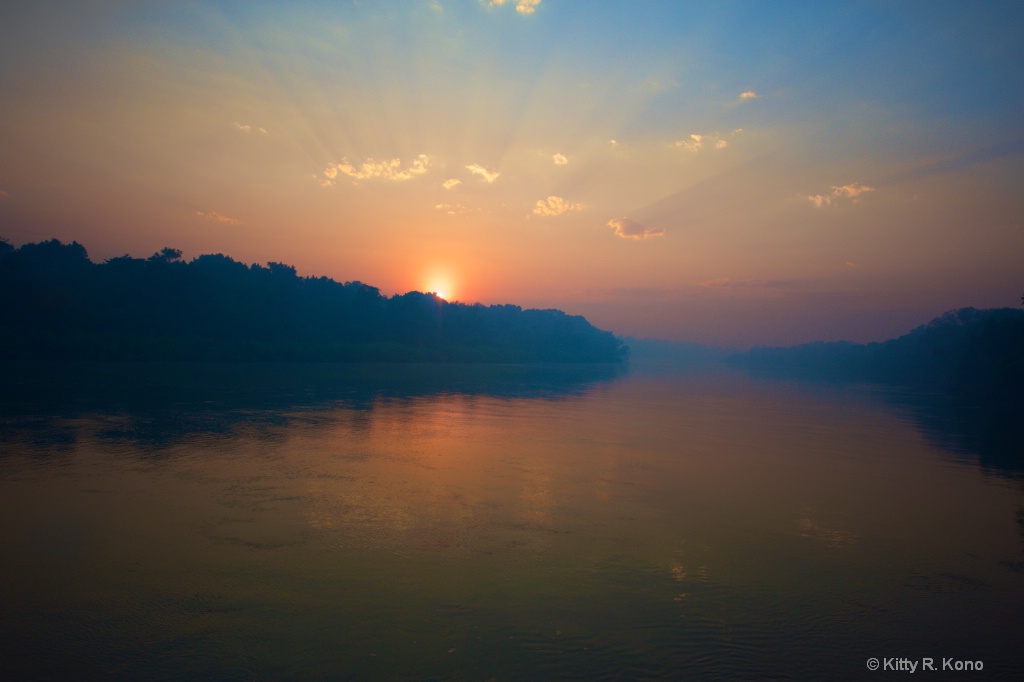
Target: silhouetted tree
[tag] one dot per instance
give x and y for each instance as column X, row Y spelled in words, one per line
column 281, row 270
column 964, row 351
column 214, row 307
column 165, row 255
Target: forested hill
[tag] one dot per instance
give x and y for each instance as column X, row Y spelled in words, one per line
column 59, row 305
column 965, row 351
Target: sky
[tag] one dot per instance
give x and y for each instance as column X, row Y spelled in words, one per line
column 734, row 173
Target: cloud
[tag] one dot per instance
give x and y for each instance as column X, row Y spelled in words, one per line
column 852, row 190
column 4, row 194
column 691, row 144
column 451, row 183
column 377, row 170
column 483, row 171
column 749, row 94
column 215, row 217
column 560, row 159
column 451, row 209
column 631, row 229
column 696, row 142
column 613, row 143
column 840, row 193
column 436, row 6
column 555, row 206
column 248, row 129
column 522, row 6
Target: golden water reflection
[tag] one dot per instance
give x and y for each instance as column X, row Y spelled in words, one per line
column 647, row 519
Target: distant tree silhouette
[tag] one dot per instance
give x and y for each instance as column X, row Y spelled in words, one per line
column 213, row 307
column 165, row 255
column 966, row 351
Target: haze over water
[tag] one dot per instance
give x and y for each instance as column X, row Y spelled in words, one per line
column 508, row 523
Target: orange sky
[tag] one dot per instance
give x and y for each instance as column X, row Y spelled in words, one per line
column 737, row 174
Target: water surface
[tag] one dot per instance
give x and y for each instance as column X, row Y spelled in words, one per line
column 505, row 523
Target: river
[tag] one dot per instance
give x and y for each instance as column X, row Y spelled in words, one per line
column 244, row 522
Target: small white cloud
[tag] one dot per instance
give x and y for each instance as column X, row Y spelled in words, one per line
column 696, row 142
column 560, row 159
column 854, row 189
column 613, row 143
column 451, row 209
column 631, row 229
column 749, row 94
column 215, row 217
column 692, row 143
column 248, row 129
column 555, row 206
column 451, row 183
column 483, row 171
column 436, row 6
column 840, row 193
column 383, row 170
column 522, row 6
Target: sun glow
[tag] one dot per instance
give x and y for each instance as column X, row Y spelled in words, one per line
column 441, row 282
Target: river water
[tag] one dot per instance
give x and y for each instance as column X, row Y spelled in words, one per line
column 272, row 522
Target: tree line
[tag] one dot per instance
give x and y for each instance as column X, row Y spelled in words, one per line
column 59, row 305
column 965, row 351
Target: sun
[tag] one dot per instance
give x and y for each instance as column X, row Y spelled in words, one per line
column 441, row 282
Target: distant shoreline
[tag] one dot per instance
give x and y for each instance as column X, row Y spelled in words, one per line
column 965, row 351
